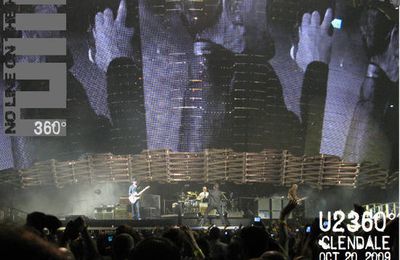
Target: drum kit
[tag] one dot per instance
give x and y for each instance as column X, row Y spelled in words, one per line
column 189, row 204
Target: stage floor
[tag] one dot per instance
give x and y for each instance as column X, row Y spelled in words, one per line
column 164, row 221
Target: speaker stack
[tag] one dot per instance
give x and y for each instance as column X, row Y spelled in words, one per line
column 104, row 212
column 270, row 208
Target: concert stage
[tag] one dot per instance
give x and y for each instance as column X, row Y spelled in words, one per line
column 164, row 221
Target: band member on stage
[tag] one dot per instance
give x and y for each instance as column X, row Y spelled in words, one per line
column 133, row 189
column 203, row 196
column 215, row 198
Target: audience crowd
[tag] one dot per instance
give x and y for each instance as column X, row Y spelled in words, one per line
column 43, row 237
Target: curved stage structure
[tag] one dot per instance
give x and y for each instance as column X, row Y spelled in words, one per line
column 279, row 168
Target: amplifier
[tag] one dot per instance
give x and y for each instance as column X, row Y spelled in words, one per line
column 98, row 213
column 105, row 212
column 124, row 200
column 121, row 212
column 270, row 208
column 108, row 214
column 149, row 212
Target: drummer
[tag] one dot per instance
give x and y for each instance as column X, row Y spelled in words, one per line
column 203, row 196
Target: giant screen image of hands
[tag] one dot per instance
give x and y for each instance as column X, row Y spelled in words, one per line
column 112, row 37
column 388, row 61
column 373, row 133
column 315, row 43
column 118, row 54
column 312, row 55
column 228, row 29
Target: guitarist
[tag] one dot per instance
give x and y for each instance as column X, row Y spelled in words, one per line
column 133, row 189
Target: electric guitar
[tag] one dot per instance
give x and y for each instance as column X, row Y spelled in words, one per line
column 136, row 195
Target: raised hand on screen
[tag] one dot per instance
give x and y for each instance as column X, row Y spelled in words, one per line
column 388, row 61
column 228, row 31
column 112, row 37
column 315, row 43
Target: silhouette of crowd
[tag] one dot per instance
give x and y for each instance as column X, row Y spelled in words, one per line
column 44, row 237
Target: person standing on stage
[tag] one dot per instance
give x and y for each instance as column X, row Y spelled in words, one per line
column 203, row 196
column 133, row 189
column 215, row 198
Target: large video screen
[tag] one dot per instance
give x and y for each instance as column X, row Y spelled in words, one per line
column 309, row 77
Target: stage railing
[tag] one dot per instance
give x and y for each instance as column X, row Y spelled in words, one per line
column 274, row 167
